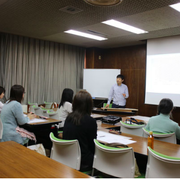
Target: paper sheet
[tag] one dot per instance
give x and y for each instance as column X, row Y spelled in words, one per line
column 35, row 120
column 112, row 138
column 97, row 115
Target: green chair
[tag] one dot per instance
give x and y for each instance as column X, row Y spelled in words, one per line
column 48, row 104
column 162, row 166
column 117, row 162
column 132, row 129
column 104, row 105
column 31, row 106
column 167, row 137
column 67, row 152
column 53, row 114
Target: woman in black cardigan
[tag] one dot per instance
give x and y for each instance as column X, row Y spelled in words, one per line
column 81, row 126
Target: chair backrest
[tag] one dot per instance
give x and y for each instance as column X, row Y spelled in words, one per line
column 104, row 105
column 162, row 166
column 66, row 152
column 1, row 129
column 48, row 104
column 167, row 137
column 45, row 112
column 132, row 129
column 118, row 162
column 31, row 106
column 24, row 107
column 53, row 114
column 37, row 110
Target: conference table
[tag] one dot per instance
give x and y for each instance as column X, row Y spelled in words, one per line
column 115, row 111
column 17, row 161
column 141, row 142
column 140, row 146
column 43, row 121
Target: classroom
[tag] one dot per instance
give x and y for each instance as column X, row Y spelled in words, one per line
column 38, row 52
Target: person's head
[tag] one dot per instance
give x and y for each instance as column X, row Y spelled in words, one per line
column 119, row 79
column 165, row 106
column 67, row 96
column 17, row 93
column 2, row 92
column 82, row 105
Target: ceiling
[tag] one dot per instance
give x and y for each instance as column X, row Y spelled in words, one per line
column 43, row 19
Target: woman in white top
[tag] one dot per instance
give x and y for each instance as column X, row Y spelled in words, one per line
column 65, row 105
column 2, row 91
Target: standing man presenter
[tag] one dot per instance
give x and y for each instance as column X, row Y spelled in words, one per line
column 119, row 93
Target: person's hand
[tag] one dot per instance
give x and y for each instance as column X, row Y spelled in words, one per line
column 41, row 106
column 107, row 106
column 124, row 95
column 31, row 116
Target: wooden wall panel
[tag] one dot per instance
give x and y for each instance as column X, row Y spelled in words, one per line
column 90, row 58
column 132, row 62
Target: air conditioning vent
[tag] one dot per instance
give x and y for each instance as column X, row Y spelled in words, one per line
column 71, row 10
column 96, row 33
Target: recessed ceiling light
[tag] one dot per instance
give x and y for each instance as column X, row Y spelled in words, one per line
column 124, row 26
column 103, row 2
column 175, row 6
column 86, row 35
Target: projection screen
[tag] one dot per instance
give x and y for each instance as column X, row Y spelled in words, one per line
column 163, row 70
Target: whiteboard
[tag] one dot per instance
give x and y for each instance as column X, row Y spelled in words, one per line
column 98, row 82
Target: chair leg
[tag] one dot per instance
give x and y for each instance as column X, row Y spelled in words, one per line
column 92, row 172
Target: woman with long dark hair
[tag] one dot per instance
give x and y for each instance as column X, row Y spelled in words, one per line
column 81, row 126
column 65, row 105
column 12, row 116
column 162, row 123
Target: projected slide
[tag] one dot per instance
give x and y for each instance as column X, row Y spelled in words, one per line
column 163, row 74
column 163, row 71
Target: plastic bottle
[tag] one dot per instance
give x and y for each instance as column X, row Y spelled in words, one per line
column 151, row 140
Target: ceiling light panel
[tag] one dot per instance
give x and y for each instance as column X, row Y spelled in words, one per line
column 124, row 26
column 86, row 35
column 175, row 6
column 103, row 2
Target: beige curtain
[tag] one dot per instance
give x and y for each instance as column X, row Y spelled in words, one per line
column 44, row 68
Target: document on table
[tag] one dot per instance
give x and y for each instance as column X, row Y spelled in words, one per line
column 113, row 138
column 35, row 120
column 97, row 115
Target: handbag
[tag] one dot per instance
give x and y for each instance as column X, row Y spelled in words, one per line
column 133, row 121
column 111, row 119
column 39, row 148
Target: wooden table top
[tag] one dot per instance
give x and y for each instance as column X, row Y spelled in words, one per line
column 114, row 112
column 140, row 146
column 17, row 161
column 47, row 121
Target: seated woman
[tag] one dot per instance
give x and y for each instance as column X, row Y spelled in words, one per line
column 162, row 122
column 12, row 116
column 2, row 92
column 65, row 105
column 81, row 126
